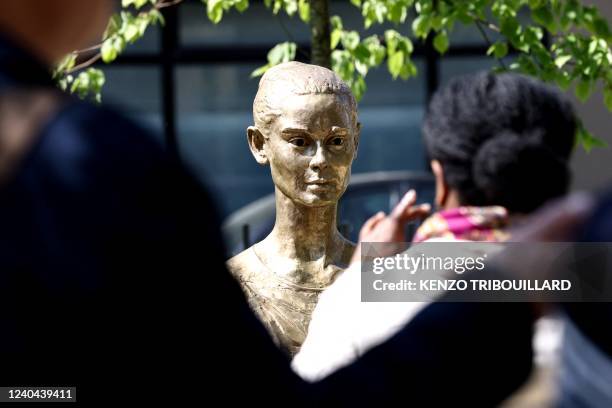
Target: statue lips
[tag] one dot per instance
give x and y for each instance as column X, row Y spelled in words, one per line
column 320, row 184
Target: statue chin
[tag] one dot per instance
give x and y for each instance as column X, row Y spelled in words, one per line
column 315, row 201
column 316, row 196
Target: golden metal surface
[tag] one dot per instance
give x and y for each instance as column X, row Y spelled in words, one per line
column 306, row 130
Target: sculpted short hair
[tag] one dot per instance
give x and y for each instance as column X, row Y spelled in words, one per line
column 296, row 78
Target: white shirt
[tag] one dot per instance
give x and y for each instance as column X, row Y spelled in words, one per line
column 343, row 327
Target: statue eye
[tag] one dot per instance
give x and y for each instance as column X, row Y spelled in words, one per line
column 337, row 141
column 298, row 141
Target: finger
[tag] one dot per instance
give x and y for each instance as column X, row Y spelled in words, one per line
column 371, row 222
column 414, row 213
column 407, row 201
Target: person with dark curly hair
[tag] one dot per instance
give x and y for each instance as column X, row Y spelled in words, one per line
column 499, row 147
column 500, row 140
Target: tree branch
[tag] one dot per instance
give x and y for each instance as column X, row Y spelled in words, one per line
column 157, row 6
column 320, row 33
column 489, row 43
column 163, row 4
column 290, row 37
column 85, row 64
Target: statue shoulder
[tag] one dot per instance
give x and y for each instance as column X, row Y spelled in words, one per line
column 242, row 265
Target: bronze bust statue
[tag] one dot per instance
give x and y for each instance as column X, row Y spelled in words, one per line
column 306, row 129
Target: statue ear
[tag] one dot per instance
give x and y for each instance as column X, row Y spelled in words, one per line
column 256, row 144
column 356, row 139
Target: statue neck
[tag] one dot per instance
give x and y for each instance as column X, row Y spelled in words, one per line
column 305, row 245
column 304, row 232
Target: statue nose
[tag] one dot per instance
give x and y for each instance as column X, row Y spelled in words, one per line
column 319, row 160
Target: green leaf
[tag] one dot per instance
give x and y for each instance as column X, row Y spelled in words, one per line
column 242, row 5
column 260, row 71
column 587, row 140
column 421, row 25
column 114, row 24
column 343, row 65
column 361, row 68
column 597, row 142
column 391, row 38
column 572, row 10
column 408, row 70
column 304, row 9
column 561, row 60
column 376, row 50
column 214, row 10
column 583, row 90
column 65, row 65
column 437, row 22
column 119, row 44
column 361, row 53
column 291, row 6
column 602, row 29
column 510, row 28
column 155, row 16
column 405, row 44
column 395, row 62
column 608, row 97
column 593, row 46
column 441, row 42
column 336, row 23
column 276, row 54
column 108, row 51
column 544, row 17
column 88, row 82
column 499, row 50
column 563, row 80
column 526, row 66
column 359, row 87
column 132, row 32
column 335, row 38
column 96, row 82
column 283, row 52
column 136, row 3
column 380, row 10
column 278, row 5
column 398, row 12
column 350, row 39
column 534, row 4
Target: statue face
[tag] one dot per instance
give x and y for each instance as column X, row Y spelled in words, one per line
column 310, row 148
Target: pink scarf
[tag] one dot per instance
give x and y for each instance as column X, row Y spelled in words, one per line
column 466, row 223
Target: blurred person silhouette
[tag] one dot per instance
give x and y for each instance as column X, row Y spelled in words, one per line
column 112, row 275
column 586, row 350
column 583, row 371
column 109, row 253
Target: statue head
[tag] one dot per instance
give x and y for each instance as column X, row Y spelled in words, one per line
column 306, row 129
